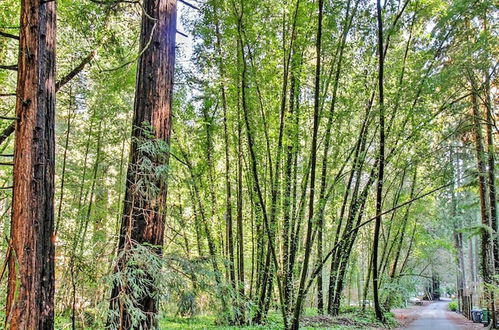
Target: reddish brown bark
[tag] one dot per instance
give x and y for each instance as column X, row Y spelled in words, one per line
column 30, row 300
column 143, row 214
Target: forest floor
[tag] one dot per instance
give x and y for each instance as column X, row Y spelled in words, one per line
column 432, row 315
column 350, row 318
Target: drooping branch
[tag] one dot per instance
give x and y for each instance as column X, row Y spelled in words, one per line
column 188, row 4
column 73, row 73
column 67, row 78
column 7, row 132
column 8, row 35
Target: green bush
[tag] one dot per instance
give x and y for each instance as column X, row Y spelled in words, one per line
column 453, row 305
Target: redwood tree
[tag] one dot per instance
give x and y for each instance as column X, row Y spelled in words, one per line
column 145, row 198
column 30, row 299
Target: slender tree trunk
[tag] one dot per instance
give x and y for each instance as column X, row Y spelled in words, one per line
column 30, row 298
column 267, row 226
column 472, row 265
column 120, row 185
column 313, row 158
column 290, row 187
column 95, row 172
column 356, row 212
column 325, row 158
column 390, row 243
column 489, row 110
column 337, row 257
column 239, row 204
column 381, row 164
column 197, row 223
column 409, row 249
column 228, row 186
column 64, row 161
column 143, row 214
column 398, row 251
column 458, row 236
column 287, row 276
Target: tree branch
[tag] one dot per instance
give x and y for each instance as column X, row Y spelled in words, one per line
column 9, row 67
column 7, row 132
column 189, row 4
column 73, row 73
column 8, row 35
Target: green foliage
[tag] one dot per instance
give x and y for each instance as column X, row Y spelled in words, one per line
column 151, row 168
column 139, row 270
column 207, row 322
column 395, row 294
column 453, row 305
column 186, row 282
column 367, row 318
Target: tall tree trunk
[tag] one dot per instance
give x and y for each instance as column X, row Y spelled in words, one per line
column 491, row 167
column 95, row 171
column 381, row 164
column 30, row 298
column 239, row 203
column 271, row 256
column 64, row 160
column 143, row 213
column 487, row 257
column 313, row 158
column 458, row 236
column 325, row 158
column 228, row 185
column 287, row 277
column 405, row 220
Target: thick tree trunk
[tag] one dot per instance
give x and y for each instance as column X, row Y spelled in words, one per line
column 30, row 300
column 143, row 214
column 487, row 258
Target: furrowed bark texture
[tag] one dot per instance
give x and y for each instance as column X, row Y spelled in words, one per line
column 143, row 214
column 30, row 300
column 487, row 256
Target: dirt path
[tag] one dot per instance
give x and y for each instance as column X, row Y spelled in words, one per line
column 433, row 316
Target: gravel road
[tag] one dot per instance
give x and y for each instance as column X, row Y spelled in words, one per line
column 437, row 316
